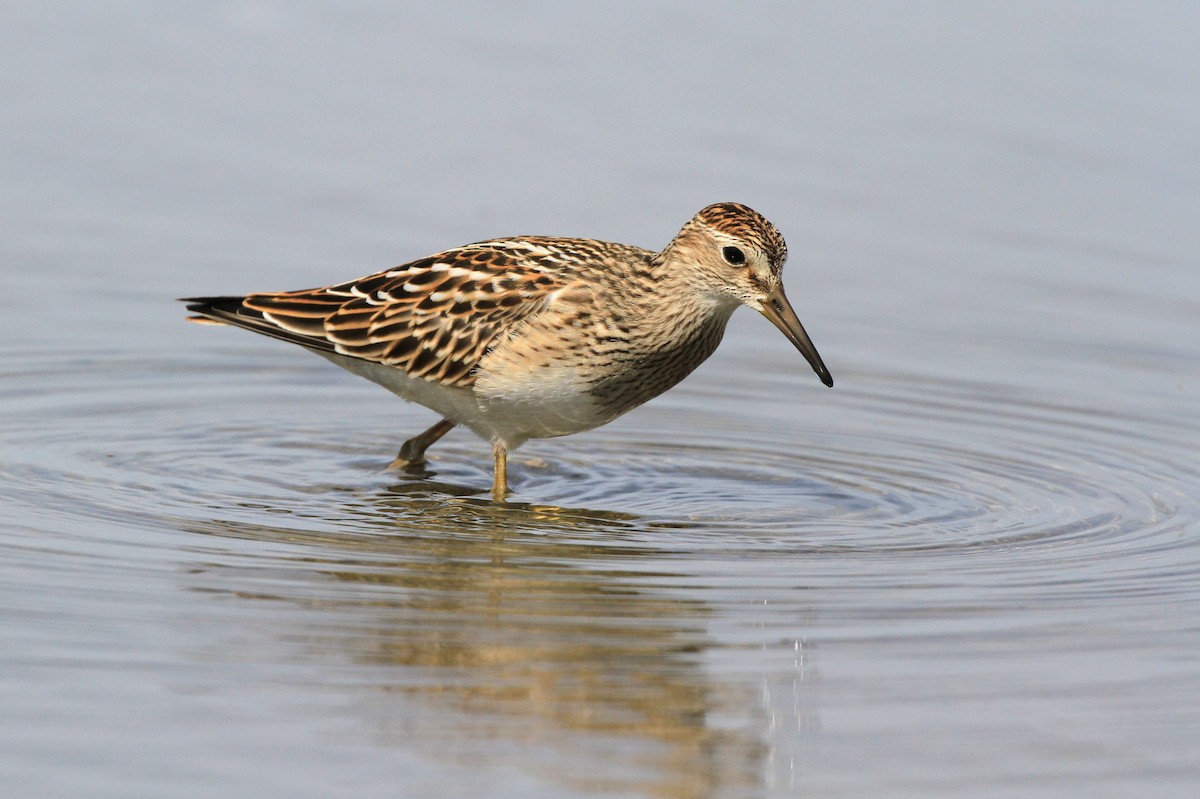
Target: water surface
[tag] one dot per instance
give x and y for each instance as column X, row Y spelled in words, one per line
column 970, row 568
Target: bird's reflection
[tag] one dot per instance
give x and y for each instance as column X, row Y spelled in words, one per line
column 475, row 622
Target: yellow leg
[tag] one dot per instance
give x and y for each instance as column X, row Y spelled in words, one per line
column 500, row 476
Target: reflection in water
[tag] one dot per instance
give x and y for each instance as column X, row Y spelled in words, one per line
column 489, row 627
column 661, row 649
column 987, row 537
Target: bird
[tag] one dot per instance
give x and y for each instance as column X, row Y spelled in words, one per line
column 530, row 337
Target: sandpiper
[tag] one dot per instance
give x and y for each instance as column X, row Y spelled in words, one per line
column 535, row 336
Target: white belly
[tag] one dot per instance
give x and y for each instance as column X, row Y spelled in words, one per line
column 455, row 403
column 556, row 404
column 511, row 410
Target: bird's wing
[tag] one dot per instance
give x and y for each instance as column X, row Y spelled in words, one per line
column 433, row 318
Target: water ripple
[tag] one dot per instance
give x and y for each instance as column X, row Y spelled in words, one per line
column 911, row 467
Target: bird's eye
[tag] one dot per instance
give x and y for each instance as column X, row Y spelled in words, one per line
column 734, row 256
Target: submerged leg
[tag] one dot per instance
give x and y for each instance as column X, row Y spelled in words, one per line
column 412, row 451
column 500, row 477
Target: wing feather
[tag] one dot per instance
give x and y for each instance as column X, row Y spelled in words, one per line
column 434, row 318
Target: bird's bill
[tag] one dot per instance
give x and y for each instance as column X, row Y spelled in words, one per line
column 779, row 311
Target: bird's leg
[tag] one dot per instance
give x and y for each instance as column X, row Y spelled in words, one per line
column 412, row 452
column 500, row 477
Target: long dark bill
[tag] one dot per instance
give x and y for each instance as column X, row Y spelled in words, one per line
column 779, row 311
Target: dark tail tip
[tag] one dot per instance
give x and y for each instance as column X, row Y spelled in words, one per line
column 213, row 306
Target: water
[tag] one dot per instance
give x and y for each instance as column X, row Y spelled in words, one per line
column 972, row 567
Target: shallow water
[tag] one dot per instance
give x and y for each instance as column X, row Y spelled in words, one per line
column 972, row 567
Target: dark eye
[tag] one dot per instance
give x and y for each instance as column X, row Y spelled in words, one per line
column 734, row 256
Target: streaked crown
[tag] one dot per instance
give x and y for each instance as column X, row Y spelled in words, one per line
column 746, row 224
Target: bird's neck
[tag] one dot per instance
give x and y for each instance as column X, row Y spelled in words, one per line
column 693, row 312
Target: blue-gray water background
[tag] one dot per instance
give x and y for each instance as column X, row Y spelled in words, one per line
column 970, row 569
